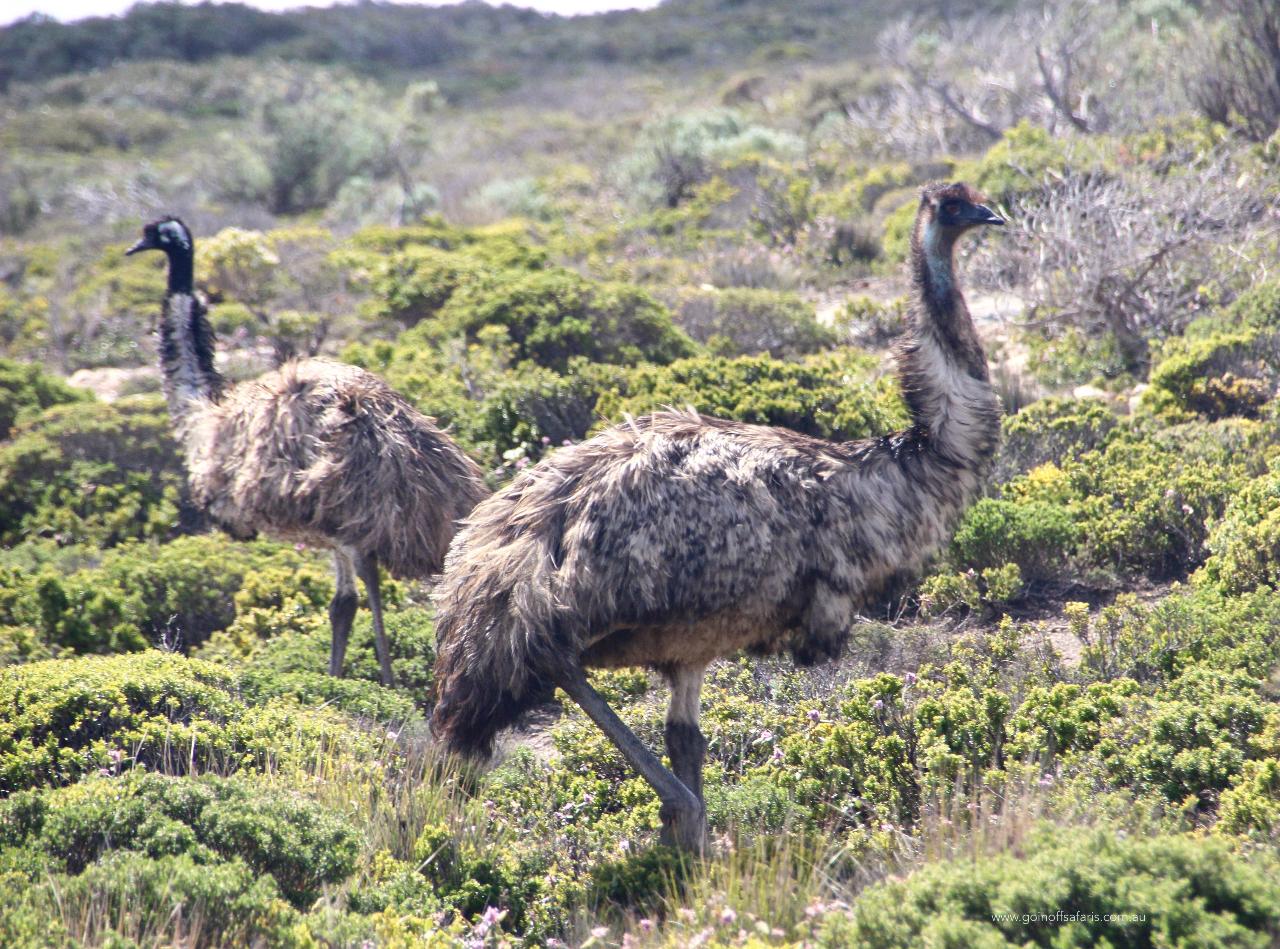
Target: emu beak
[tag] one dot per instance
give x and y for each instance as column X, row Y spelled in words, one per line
column 981, row 214
column 143, row 244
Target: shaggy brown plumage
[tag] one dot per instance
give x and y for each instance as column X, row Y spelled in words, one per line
column 315, row 451
column 674, row 539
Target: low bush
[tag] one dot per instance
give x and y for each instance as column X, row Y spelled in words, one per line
column 1224, row 374
column 25, row 391
column 1037, row 536
column 1052, row 430
column 744, row 322
column 208, row 818
column 93, row 473
column 554, row 315
column 1118, row 891
column 132, row 899
column 175, row 594
column 294, row 664
column 1244, row 548
column 65, row 718
column 828, row 396
column 1144, row 502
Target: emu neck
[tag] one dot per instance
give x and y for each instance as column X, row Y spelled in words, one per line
column 942, row 367
column 181, row 272
column 186, row 345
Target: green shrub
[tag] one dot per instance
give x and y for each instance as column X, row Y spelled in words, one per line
column 167, row 901
column 870, row 322
column 1052, row 430
column 744, row 321
column 1244, row 548
column 674, row 155
column 1189, row 740
column 1026, row 160
column 1144, row 502
column 1225, row 374
column 554, row 315
column 828, row 396
column 414, row 283
column 65, row 718
column 1183, row 890
column 294, row 664
column 1037, row 536
column 26, row 390
column 209, row 818
column 1256, row 308
column 142, row 594
column 964, row 592
column 1196, row 626
column 1065, row 718
column 534, row 409
column 92, row 473
column 859, row 767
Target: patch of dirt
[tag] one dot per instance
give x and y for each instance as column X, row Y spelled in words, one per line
column 109, row 383
column 532, row 731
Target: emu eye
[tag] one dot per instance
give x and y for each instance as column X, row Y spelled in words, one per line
column 951, row 207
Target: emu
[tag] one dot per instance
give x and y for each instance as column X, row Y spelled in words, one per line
column 675, row 539
column 315, row 451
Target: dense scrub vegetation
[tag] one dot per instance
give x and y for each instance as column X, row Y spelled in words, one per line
column 1067, row 733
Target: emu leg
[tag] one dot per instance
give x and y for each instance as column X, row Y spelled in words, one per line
column 685, row 745
column 342, row 609
column 367, row 568
column 684, row 822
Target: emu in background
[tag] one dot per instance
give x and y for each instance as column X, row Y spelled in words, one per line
column 315, row 451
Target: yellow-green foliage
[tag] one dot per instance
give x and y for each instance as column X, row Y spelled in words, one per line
column 92, row 473
column 276, row 832
column 65, row 718
column 1245, row 545
column 1166, row 890
column 553, row 315
column 832, row 395
column 25, row 391
column 143, row 594
column 1225, row 374
column 748, row 321
column 1143, row 502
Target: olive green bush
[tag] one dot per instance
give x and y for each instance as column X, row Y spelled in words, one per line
column 1074, row 889
column 93, row 473
column 831, row 395
column 1225, row 374
column 176, row 594
column 25, row 390
column 65, row 718
column 209, row 818
column 1143, row 502
column 1051, row 430
column 294, row 665
column 553, row 315
column 165, row 900
column 1038, row 536
column 744, row 321
column 1245, row 545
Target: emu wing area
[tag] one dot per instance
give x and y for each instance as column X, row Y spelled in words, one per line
column 687, row 539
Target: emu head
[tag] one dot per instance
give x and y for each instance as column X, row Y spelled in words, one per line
column 167, row 234
column 951, row 209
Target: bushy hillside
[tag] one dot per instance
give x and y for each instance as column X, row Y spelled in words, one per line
column 1067, row 733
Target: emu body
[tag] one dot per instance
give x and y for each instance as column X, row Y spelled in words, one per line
column 675, row 539
column 315, row 451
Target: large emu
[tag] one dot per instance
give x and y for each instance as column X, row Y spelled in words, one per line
column 315, row 451
column 675, row 539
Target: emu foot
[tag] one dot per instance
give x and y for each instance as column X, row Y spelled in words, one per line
column 684, row 828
